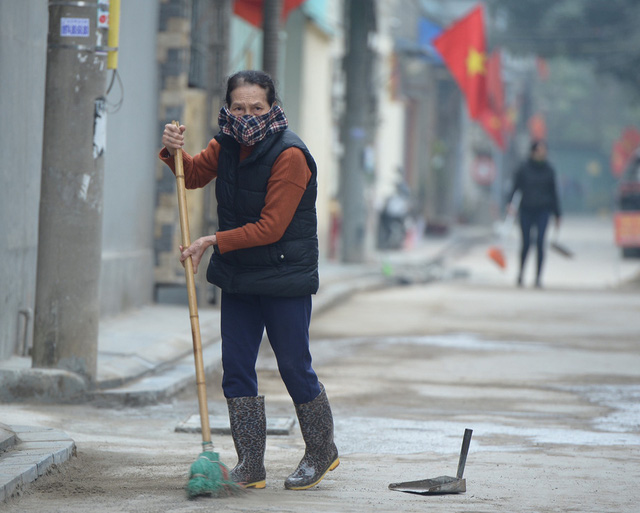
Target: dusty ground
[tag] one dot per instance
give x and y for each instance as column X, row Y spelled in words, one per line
column 548, row 380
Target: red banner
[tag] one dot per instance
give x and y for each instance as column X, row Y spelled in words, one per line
column 623, row 149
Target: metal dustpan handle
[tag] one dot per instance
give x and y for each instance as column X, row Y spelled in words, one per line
column 466, row 441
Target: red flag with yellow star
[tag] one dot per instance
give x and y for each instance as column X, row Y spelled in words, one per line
column 463, row 49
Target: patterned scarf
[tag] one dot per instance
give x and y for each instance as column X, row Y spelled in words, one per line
column 249, row 130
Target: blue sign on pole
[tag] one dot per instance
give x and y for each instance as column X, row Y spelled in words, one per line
column 74, row 27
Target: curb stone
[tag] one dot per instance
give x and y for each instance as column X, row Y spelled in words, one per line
column 34, row 451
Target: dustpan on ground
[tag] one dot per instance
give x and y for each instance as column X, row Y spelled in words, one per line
column 560, row 248
column 442, row 484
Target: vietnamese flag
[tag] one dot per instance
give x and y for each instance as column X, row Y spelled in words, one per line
column 251, row 10
column 493, row 119
column 463, row 49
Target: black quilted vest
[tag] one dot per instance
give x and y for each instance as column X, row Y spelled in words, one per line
column 286, row 268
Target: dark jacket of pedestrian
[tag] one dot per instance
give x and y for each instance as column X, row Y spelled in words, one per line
column 536, row 180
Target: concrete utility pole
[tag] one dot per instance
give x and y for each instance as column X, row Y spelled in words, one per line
column 70, row 226
column 271, row 15
column 359, row 16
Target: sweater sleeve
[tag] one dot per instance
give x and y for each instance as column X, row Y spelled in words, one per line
column 290, row 175
column 200, row 169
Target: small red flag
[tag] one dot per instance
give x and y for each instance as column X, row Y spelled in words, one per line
column 463, row 49
column 495, row 86
column 494, row 126
column 493, row 119
column 537, row 127
column 543, row 68
column 251, row 10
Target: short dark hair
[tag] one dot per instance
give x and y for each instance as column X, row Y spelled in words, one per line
column 254, row 77
column 535, row 145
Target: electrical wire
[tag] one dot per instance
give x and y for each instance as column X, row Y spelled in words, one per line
column 115, row 107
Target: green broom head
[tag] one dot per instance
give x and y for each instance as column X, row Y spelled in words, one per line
column 209, row 476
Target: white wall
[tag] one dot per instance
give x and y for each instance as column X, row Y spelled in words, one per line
column 133, row 141
column 23, row 50
column 316, row 123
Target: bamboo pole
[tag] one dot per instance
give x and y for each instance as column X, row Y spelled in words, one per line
column 193, row 302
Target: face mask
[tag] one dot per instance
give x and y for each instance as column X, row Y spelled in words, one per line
column 249, row 130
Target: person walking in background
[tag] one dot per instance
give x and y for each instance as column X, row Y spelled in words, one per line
column 265, row 260
column 536, row 181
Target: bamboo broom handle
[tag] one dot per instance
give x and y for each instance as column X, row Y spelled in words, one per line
column 193, row 302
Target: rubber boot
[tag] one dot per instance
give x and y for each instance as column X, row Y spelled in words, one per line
column 321, row 453
column 249, row 432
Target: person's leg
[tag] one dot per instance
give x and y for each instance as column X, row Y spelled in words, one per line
column 542, row 220
column 320, row 454
column 525, row 228
column 249, row 432
column 287, row 321
column 242, row 327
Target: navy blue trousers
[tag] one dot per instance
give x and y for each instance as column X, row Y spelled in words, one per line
column 243, row 321
column 529, row 219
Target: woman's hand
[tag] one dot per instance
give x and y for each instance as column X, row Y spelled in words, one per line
column 172, row 137
column 196, row 250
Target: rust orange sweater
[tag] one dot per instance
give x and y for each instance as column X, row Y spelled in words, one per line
column 290, row 175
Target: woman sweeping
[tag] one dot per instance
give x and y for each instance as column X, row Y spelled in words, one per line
column 536, row 180
column 265, row 260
